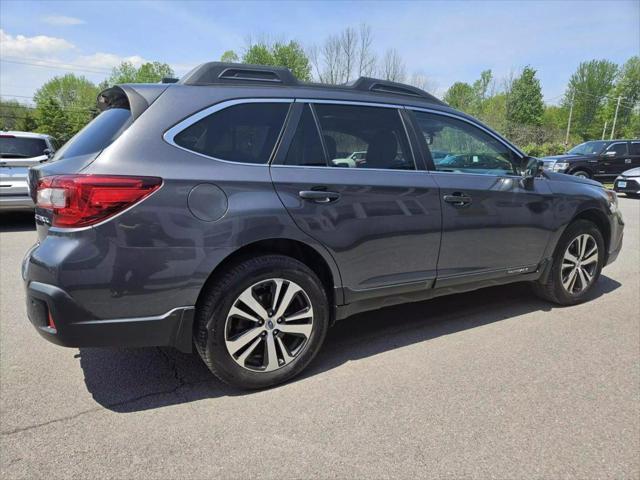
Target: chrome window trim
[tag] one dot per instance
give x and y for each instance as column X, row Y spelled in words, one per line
column 349, row 102
column 358, row 104
column 470, row 122
column 171, row 133
column 347, row 169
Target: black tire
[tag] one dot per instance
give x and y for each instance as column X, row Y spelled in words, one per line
column 219, row 297
column 553, row 290
column 632, row 195
column 581, row 173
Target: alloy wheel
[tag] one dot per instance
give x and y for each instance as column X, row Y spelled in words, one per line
column 579, row 264
column 269, row 325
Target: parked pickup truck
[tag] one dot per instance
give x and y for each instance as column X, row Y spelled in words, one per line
column 598, row 159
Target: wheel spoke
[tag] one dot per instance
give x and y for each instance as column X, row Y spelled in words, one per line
column 242, row 358
column 248, row 299
column 278, row 286
column 296, row 328
column 570, row 258
column 272, row 356
column 291, row 291
column 583, row 245
column 570, row 280
column 585, row 277
column 302, row 314
column 591, row 259
column 285, row 353
column 237, row 343
column 236, row 312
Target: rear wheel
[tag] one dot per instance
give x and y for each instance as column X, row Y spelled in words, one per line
column 577, row 263
column 581, row 174
column 262, row 322
column 633, row 195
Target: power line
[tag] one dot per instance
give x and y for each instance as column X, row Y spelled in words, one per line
column 60, row 66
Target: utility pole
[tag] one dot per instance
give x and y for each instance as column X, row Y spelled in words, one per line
column 604, row 130
column 566, row 139
column 615, row 117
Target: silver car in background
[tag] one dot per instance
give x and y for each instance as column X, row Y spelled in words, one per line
column 18, row 152
column 628, row 183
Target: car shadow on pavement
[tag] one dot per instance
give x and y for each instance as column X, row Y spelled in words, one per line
column 128, row 380
column 17, row 221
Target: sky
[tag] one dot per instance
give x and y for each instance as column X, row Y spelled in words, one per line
column 445, row 41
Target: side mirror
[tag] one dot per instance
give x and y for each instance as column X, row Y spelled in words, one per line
column 532, row 169
column 48, row 152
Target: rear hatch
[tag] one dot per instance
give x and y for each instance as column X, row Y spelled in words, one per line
column 120, row 106
column 17, row 154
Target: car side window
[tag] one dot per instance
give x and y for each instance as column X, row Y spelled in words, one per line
column 635, row 148
column 364, row 137
column 242, row 133
column 457, row 146
column 618, row 149
column 306, row 147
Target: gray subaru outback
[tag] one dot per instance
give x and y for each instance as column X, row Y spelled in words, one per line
column 210, row 212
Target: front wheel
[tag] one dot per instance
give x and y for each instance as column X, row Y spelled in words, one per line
column 577, row 263
column 262, row 321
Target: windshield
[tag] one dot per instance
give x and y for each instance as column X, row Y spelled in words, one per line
column 21, row 147
column 98, row 134
column 588, row 148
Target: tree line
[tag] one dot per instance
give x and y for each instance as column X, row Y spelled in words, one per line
column 598, row 92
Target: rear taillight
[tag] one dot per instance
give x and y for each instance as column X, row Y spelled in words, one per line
column 83, row 200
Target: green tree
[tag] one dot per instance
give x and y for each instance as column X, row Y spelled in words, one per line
column 461, row 96
column 150, row 72
column 53, row 120
column 16, row 116
column 230, row 56
column 524, row 102
column 627, row 88
column 589, row 87
column 290, row 55
column 71, row 96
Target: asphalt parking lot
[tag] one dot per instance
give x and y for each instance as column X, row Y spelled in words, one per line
column 489, row 384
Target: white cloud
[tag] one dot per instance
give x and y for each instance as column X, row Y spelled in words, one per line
column 37, row 46
column 62, row 20
column 108, row 60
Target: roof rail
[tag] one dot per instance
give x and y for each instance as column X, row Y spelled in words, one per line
column 395, row 88
column 221, row 72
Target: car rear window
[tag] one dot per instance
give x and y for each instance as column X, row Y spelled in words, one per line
column 98, row 134
column 21, row 147
column 244, row 133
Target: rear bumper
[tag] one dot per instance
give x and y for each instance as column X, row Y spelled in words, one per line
column 16, row 202
column 73, row 327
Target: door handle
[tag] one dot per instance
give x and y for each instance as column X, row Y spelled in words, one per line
column 319, row 196
column 457, row 199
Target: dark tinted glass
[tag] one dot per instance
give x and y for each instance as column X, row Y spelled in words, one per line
column 635, row 148
column 364, row 137
column 618, row 149
column 242, row 133
column 98, row 134
column 21, row 147
column 306, row 148
column 458, row 146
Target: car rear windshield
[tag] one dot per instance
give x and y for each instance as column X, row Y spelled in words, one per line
column 21, row 147
column 98, row 134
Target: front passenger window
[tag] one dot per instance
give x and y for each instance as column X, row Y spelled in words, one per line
column 457, row 146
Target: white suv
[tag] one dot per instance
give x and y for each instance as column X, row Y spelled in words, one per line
column 18, row 152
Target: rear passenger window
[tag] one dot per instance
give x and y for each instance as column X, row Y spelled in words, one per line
column 635, row 148
column 306, row 148
column 243, row 133
column 364, row 137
